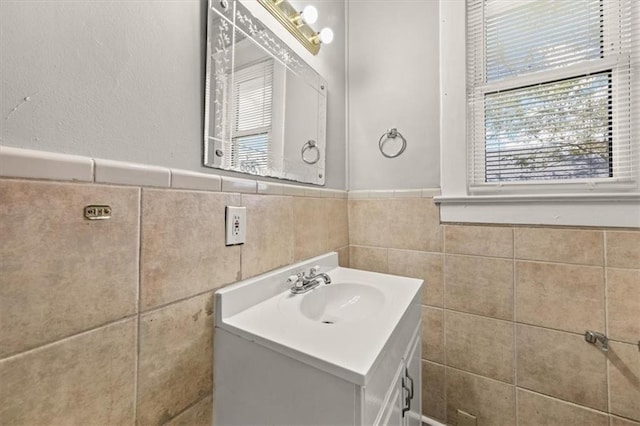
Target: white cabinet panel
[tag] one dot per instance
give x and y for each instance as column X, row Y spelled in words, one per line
column 376, row 392
column 392, row 412
column 413, row 374
column 254, row 385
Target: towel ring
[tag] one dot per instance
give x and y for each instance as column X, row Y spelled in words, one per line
column 311, row 144
column 391, row 134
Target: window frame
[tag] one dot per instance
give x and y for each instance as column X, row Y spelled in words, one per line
column 602, row 204
column 236, row 135
column 476, row 138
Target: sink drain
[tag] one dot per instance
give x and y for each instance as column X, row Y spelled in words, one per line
column 327, row 322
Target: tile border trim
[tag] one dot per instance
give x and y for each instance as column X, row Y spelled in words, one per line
column 393, row 193
column 26, row 163
column 36, row 164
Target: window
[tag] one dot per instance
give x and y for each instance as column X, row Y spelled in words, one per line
column 549, row 93
column 541, row 145
column 252, row 94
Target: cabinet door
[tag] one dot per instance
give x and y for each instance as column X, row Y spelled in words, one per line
column 392, row 411
column 413, row 382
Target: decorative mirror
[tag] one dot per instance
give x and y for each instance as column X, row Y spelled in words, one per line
column 265, row 108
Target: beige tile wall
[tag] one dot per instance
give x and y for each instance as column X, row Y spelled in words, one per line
column 504, row 312
column 110, row 322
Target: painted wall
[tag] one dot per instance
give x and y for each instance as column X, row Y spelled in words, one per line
column 393, row 84
column 125, row 80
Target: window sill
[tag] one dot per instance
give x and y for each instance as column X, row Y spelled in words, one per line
column 601, row 210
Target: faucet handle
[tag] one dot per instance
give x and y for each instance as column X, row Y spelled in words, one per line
column 314, row 271
column 294, row 280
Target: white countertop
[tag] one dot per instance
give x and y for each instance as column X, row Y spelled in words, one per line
column 346, row 349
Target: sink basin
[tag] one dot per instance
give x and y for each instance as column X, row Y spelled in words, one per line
column 341, row 302
column 340, row 328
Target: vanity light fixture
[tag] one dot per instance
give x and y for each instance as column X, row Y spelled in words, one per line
column 325, row 35
column 309, row 15
column 299, row 23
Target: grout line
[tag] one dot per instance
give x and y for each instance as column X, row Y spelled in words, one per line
column 170, row 188
column 387, row 256
column 138, row 316
column 606, row 320
column 294, row 226
column 444, row 318
column 548, row 262
column 516, row 401
column 622, row 268
column 399, row 249
column 348, row 222
column 183, row 299
column 69, row 337
column 574, row 333
column 480, row 375
column 480, row 257
column 564, row 401
column 546, row 226
column 193, row 404
column 426, row 305
column 481, row 316
column 433, row 362
column 246, row 225
column 516, row 388
column 605, row 258
column 516, row 323
column 622, row 416
column 445, row 398
column 515, row 329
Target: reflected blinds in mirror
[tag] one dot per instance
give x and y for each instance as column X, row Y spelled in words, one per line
column 252, row 94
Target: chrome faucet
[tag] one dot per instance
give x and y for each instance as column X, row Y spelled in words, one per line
column 302, row 283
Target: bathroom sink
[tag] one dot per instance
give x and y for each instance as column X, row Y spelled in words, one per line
column 341, row 302
column 341, row 328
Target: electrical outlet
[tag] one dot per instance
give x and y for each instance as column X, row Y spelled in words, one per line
column 236, row 224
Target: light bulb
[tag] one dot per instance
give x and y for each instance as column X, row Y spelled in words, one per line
column 309, row 14
column 326, row 35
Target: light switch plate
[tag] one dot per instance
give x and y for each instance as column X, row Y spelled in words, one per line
column 236, row 225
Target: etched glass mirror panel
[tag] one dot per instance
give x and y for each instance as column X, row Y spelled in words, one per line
column 265, row 108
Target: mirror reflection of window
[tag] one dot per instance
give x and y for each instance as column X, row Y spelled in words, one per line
column 252, row 94
column 262, row 102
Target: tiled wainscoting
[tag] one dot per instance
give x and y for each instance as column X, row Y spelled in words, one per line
column 504, row 313
column 110, row 321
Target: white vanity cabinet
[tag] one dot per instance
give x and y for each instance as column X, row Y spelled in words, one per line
column 404, row 396
column 401, row 392
column 272, row 368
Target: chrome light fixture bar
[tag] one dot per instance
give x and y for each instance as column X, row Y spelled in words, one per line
column 294, row 21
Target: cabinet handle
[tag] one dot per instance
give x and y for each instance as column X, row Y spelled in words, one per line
column 407, row 398
column 406, row 372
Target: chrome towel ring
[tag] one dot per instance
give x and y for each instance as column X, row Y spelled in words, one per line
column 311, row 144
column 391, row 134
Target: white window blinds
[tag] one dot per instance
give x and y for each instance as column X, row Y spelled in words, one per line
column 550, row 91
column 253, row 104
